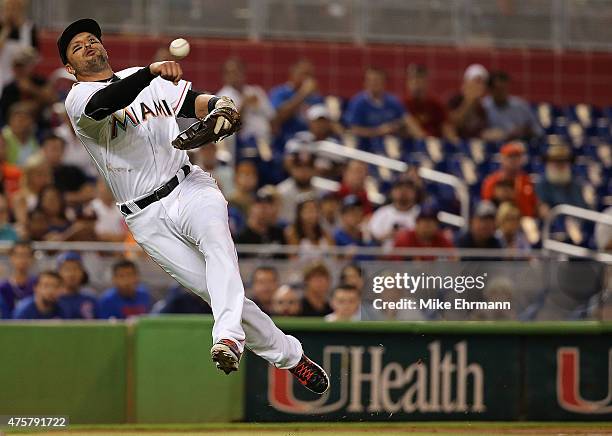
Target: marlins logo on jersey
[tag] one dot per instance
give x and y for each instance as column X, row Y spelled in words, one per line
column 120, row 119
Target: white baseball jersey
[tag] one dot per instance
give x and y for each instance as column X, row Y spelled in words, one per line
column 132, row 147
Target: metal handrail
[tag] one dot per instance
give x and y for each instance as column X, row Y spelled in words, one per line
column 460, row 187
column 571, row 249
column 278, row 249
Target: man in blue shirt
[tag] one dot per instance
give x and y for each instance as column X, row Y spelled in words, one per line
column 349, row 233
column 43, row 304
column 20, row 283
column 374, row 113
column 76, row 302
column 292, row 99
column 128, row 297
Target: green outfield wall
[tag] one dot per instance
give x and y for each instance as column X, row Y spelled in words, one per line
column 158, row 370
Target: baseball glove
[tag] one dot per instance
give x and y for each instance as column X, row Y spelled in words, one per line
column 222, row 122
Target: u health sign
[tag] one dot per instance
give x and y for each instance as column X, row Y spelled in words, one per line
column 440, row 374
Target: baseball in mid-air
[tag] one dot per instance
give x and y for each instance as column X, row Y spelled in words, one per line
column 179, row 48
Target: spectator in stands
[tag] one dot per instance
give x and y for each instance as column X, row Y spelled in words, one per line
column 182, row 300
column 426, row 233
column 252, row 101
column 264, row 283
column 10, row 174
column 16, row 32
column 559, row 186
column 352, row 275
column 36, row 175
column 503, row 191
column 481, row 233
column 292, row 99
column 345, row 303
column 245, row 185
column 353, row 182
column 298, row 185
column 74, row 152
column 374, row 113
column 603, row 234
column 320, row 128
column 109, row 225
column 329, row 209
column 18, row 134
column 508, row 113
column 512, row 160
column 223, row 174
column 76, row 301
column 127, row 298
column 26, row 86
column 400, row 214
column 509, row 227
column 286, row 302
column 427, row 111
column 259, row 229
column 467, row 114
column 307, row 232
column 350, row 232
column 20, row 282
column 7, row 230
column 48, row 221
column 43, row 304
column 69, row 179
column 317, row 282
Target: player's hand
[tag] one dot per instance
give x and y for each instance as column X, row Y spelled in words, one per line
column 168, row 70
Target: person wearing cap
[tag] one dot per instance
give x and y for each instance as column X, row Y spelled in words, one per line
column 292, row 99
column 256, row 111
column 374, row 113
column 400, row 214
column 43, row 303
column 259, row 229
column 76, row 301
column 426, row 110
column 467, row 114
column 481, row 233
column 350, row 231
column 559, row 186
column 19, row 284
column 127, row 120
column 508, row 113
column 298, row 185
column 513, row 157
column 425, row 234
column 321, row 127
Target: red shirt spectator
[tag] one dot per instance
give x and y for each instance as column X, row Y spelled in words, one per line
column 512, row 161
column 426, row 234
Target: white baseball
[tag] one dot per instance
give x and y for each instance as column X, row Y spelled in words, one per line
column 179, row 48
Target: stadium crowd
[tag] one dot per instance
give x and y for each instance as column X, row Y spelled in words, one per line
column 50, row 191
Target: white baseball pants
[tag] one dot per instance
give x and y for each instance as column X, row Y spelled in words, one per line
column 187, row 234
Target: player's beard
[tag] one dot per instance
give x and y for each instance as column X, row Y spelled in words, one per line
column 97, row 64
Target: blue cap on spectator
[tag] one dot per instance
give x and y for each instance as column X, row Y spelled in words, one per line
column 68, row 255
column 351, row 201
column 485, row 209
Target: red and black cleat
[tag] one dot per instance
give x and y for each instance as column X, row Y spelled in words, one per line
column 311, row 375
column 226, row 355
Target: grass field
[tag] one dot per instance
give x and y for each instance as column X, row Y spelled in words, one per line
column 328, row 429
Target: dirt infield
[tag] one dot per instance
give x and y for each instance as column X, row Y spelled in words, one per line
column 319, row 429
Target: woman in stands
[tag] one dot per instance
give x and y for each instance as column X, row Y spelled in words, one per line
column 307, row 232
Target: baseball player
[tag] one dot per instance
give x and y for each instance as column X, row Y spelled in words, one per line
column 126, row 121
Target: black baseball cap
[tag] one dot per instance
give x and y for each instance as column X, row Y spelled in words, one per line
column 79, row 26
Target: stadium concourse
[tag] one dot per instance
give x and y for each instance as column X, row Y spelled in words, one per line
column 517, row 158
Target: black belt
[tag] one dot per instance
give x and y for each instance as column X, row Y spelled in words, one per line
column 158, row 194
